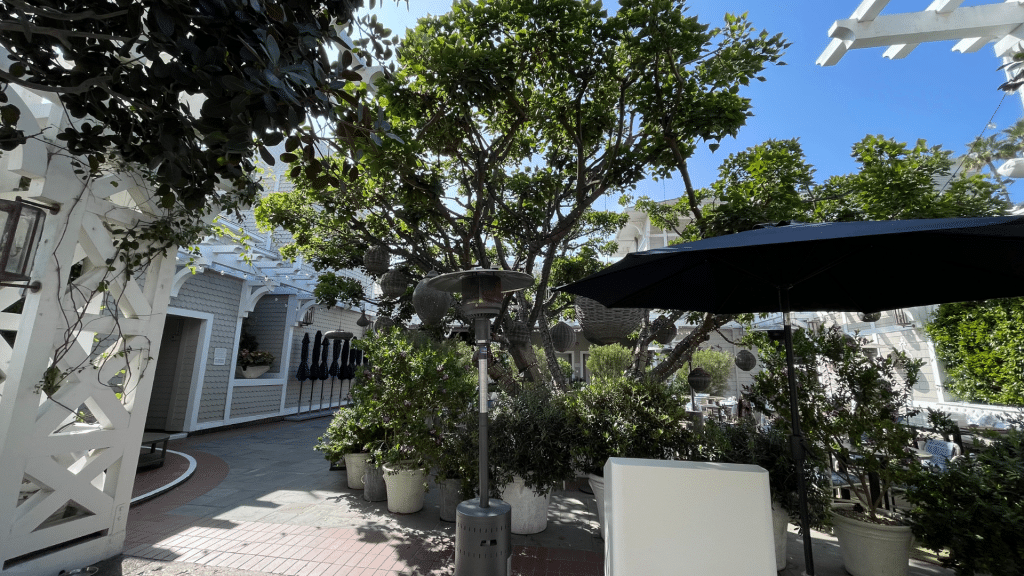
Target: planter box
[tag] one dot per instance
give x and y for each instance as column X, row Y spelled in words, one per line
column 252, row 371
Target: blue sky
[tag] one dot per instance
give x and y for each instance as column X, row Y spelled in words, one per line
column 944, row 97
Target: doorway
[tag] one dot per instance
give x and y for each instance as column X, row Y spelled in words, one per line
column 172, row 377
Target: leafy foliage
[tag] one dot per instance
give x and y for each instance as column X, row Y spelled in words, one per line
column 718, row 363
column 608, row 362
column 411, row 384
column 851, row 407
column 341, row 436
column 982, row 347
column 974, row 509
column 530, row 438
column 509, row 122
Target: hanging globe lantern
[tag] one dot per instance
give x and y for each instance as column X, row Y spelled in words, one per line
column 666, row 334
column 869, row 316
column 745, row 360
column 563, row 337
column 603, row 325
column 383, row 323
column 518, row 333
column 430, row 304
column 377, row 260
column 393, row 284
column 699, row 379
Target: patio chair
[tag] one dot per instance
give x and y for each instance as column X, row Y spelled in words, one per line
column 942, row 453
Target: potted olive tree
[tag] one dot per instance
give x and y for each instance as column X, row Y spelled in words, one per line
column 349, row 437
column 851, row 408
column 457, row 465
column 529, row 453
column 410, row 384
column 620, row 416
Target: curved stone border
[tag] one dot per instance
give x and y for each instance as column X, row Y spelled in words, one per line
column 173, row 483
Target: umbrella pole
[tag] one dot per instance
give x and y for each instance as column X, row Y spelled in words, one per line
column 796, row 440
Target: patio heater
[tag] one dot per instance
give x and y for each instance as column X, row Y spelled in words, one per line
column 483, row 529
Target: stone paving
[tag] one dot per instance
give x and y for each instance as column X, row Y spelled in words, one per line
column 263, row 502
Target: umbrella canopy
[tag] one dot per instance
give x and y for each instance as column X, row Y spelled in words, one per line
column 826, row 267
column 302, row 374
column 812, row 267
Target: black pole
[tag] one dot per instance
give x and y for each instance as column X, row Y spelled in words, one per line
column 797, row 439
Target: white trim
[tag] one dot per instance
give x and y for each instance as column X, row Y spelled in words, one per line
column 244, row 419
column 188, row 474
column 940, row 382
column 199, row 369
column 275, row 381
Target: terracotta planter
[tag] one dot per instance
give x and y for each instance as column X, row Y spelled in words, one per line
column 529, row 511
column 405, row 488
column 451, row 496
column 873, row 549
column 780, row 522
column 355, row 468
column 597, row 485
column 374, row 489
column 253, row 371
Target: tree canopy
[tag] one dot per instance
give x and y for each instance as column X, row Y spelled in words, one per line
column 189, row 91
column 509, row 122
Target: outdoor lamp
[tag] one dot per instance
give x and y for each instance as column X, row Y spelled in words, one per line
column 483, row 529
column 22, row 224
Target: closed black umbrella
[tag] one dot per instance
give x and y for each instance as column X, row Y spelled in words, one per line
column 821, row 267
column 302, row 374
column 314, row 366
column 324, row 368
column 333, row 370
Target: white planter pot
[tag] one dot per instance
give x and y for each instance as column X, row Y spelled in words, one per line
column 873, row 549
column 253, row 371
column 451, row 496
column 355, row 468
column 597, row 485
column 374, row 488
column 405, row 489
column 529, row 511
column 780, row 522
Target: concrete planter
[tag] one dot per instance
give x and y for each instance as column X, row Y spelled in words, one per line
column 355, row 468
column 451, row 495
column 529, row 511
column 374, row 489
column 597, row 485
column 780, row 522
column 405, row 488
column 873, row 549
column 253, row 371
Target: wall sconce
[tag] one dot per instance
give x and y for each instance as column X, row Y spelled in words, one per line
column 22, row 224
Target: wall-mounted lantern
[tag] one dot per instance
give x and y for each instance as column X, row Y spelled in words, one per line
column 22, row 225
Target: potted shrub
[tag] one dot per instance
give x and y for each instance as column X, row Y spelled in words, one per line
column 974, row 509
column 768, row 447
column 851, row 406
column 410, row 383
column 620, row 416
column 252, row 362
column 529, row 453
column 457, row 466
column 348, row 438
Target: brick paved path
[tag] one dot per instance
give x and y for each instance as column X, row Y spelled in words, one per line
column 263, row 500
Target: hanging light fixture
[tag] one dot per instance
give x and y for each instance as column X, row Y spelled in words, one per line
column 22, row 225
column 745, row 360
column 431, row 305
column 363, row 321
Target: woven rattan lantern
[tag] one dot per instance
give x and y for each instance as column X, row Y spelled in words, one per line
column 518, row 333
column 563, row 337
column 745, row 360
column 603, row 325
column 377, row 260
column 699, row 379
column 393, row 284
column 431, row 305
column 666, row 334
column 869, row 316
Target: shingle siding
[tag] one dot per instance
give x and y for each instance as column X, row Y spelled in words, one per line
column 255, row 401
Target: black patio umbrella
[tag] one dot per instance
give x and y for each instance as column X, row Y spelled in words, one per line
column 302, row 374
column 333, row 370
column 323, row 369
column 314, row 366
column 821, row 267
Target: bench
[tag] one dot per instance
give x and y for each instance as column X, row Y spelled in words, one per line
column 153, row 459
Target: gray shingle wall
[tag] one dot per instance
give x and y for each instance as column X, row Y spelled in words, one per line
column 189, row 343
column 217, row 294
column 255, row 400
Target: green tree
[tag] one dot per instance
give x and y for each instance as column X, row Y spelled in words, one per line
column 718, row 363
column 609, row 361
column 509, row 122
column 982, row 347
column 188, row 93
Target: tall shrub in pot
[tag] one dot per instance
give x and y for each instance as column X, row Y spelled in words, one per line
column 529, row 453
column 851, row 408
column 410, row 384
